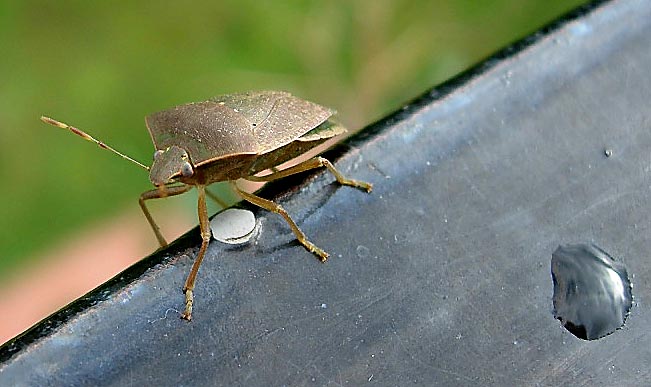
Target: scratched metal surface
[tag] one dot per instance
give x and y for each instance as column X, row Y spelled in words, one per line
column 441, row 276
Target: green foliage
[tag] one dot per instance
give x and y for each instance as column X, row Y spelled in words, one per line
column 103, row 66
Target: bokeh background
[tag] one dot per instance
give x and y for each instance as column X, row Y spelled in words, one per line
column 69, row 209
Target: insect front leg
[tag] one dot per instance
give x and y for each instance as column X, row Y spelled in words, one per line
column 204, row 225
column 158, row 194
column 316, row 162
column 278, row 209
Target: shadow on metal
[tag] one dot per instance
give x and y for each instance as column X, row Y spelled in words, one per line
column 441, row 276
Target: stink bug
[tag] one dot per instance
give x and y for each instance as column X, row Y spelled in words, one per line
column 230, row 137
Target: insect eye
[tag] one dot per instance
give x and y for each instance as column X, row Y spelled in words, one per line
column 158, row 153
column 186, row 169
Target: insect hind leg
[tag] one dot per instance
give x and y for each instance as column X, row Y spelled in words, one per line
column 313, row 163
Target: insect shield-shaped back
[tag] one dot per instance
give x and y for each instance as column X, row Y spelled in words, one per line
column 170, row 164
column 233, row 128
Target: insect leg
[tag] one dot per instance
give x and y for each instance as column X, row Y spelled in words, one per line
column 157, row 194
column 278, row 209
column 204, row 225
column 313, row 163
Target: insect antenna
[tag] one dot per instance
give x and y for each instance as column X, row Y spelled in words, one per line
column 88, row 137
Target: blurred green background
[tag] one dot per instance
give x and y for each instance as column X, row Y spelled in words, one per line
column 103, row 66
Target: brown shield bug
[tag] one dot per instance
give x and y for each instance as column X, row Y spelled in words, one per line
column 230, row 137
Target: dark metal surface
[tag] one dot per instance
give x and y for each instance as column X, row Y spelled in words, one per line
column 441, row 276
